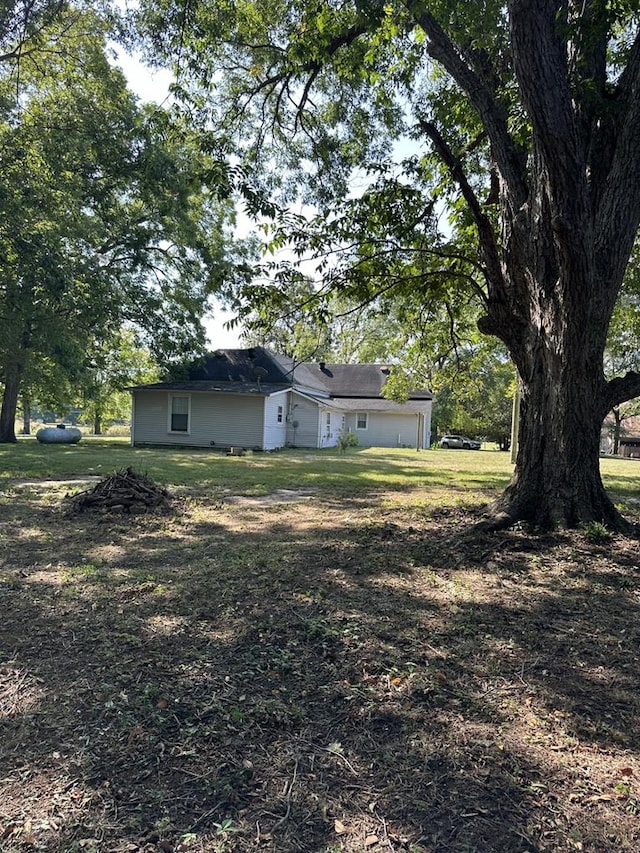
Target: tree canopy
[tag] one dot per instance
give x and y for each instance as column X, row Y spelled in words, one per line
column 110, row 367
column 25, row 25
column 109, row 214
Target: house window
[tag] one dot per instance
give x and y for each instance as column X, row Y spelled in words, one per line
column 362, row 420
column 280, row 414
column 179, row 413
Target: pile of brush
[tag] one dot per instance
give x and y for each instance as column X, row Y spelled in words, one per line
column 126, row 491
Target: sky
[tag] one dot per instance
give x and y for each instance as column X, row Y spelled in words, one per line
column 153, row 85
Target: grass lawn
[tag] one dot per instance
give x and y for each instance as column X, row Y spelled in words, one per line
column 205, row 468
column 312, row 652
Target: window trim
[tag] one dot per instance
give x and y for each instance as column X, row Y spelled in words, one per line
column 170, row 414
column 280, row 414
column 366, row 421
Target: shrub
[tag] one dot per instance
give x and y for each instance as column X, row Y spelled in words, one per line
column 347, row 439
column 595, row 533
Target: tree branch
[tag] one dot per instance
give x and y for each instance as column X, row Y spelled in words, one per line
column 484, row 99
column 540, row 64
column 313, row 67
column 621, row 389
column 30, row 28
column 486, row 234
column 618, row 215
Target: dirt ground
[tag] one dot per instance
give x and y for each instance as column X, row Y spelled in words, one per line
column 313, row 675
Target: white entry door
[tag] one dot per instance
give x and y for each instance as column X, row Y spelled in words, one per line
column 330, row 432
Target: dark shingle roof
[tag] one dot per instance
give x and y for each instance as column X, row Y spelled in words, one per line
column 349, row 380
column 241, row 365
column 257, row 370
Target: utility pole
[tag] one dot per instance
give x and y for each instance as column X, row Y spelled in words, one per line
column 515, row 423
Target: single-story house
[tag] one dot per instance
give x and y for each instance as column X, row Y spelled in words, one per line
column 253, row 398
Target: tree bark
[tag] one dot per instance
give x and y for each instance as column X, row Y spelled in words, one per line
column 26, row 415
column 556, row 481
column 97, row 423
column 557, row 342
column 563, row 267
column 12, row 378
column 617, row 430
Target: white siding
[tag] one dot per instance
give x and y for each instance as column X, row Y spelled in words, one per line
column 391, row 429
column 302, row 428
column 250, row 420
column 220, row 420
column 275, row 434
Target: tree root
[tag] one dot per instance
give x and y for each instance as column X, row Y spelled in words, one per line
column 508, row 512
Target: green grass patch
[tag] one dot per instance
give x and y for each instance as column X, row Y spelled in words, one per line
column 449, row 475
column 358, row 471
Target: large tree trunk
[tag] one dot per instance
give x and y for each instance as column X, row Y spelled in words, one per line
column 566, row 242
column 552, row 306
column 556, row 481
column 557, row 340
column 97, row 423
column 569, row 212
column 12, row 378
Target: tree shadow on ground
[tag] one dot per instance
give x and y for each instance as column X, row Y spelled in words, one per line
column 315, row 679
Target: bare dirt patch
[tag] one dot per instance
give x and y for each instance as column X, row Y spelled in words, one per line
column 49, row 484
column 279, row 496
column 314, row 676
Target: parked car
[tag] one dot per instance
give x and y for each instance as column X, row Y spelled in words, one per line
column 459, row 441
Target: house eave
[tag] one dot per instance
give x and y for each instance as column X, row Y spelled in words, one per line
column 203, row 387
